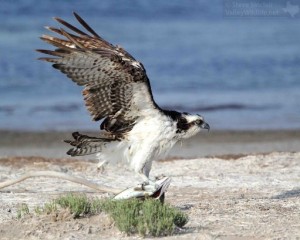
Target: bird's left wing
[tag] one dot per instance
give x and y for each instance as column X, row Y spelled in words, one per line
column 116, row 86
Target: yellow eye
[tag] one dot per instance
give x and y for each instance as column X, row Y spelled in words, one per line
column 199, row 122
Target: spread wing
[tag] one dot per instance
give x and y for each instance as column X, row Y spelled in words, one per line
column 116, row 86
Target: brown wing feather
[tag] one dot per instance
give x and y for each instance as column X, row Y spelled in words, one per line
column 108, row 73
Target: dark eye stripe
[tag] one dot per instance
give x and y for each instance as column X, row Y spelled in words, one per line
column 199, row 121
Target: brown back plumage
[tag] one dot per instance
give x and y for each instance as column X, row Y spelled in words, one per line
column 116, row 86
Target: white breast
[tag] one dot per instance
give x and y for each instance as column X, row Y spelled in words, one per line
column 150, row 138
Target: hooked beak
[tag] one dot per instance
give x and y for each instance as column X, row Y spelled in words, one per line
column 205, row 125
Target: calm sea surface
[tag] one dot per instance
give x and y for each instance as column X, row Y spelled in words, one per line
column 238, row 72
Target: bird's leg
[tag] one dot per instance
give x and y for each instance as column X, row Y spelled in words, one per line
column 146, row 183
column 146, row 179
column 142, row 169
column 144, row 174
column 158, row 177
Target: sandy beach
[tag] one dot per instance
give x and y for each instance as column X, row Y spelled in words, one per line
column 233, row 185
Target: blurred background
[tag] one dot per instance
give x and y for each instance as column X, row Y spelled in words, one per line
column 237, row 63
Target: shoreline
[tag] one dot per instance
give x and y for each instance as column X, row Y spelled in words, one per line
column 213, row 143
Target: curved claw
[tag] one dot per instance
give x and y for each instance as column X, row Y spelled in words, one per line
column 155, row 190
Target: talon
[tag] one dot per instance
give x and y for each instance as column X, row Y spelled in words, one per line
column 144, row 186
column 159, row 177
column 141, row 186
column 150, row 184
column 101, row 166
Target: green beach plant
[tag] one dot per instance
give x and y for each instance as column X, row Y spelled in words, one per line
column 147, row 217
column 22, row 210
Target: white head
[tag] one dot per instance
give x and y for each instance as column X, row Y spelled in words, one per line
column 190, row 124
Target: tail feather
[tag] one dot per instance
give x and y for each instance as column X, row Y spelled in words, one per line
column 85, row 145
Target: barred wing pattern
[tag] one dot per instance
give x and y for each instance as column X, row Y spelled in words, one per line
column 116, row 86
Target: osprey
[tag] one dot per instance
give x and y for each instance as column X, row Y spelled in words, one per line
column 117, row 90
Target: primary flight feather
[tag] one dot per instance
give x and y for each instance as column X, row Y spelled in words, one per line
column 118, row 92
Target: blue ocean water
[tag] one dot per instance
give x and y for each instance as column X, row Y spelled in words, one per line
column 238, row 72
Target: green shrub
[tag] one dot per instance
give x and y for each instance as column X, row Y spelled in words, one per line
column 78, row 204
column 148, row 218
column 22, row 210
